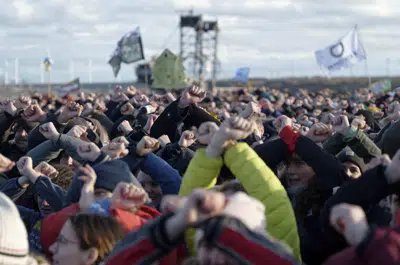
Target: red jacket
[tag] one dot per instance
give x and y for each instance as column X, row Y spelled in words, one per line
column 381, row 247
column 52, row 224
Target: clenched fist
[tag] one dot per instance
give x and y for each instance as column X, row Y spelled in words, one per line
column 146, row 146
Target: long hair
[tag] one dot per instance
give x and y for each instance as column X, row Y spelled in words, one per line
column 98, row 231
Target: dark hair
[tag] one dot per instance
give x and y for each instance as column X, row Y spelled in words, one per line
column 98, row 231
column 64, row 178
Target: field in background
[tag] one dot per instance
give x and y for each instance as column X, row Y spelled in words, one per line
column 314, row 83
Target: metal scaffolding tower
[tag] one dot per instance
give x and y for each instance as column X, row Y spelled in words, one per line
column 199, row 47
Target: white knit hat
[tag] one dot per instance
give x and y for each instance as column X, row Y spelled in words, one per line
column 14, row 246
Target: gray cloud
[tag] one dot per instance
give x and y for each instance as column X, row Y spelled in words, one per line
column 273, row 38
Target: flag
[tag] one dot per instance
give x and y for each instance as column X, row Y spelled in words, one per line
column 242, row 75
column 47, row 63
column 129, row 50
column 381, row 86
column 69, row 87
column 343, row 53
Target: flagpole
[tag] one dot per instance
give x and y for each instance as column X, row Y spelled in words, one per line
column 49, row 85
column 366, row 57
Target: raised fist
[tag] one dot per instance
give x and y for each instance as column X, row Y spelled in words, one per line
column 206, row 132
column 70, row 111
column 187, row 139
column 127, row 196
column 282, row 122
column 192, row 95
column 33, row 113
column 78, row 131
column 251, row 108
column 49, row 131
column 320, row 132
column 127, row 109
column 8, row 106
column 115, row 150
column 146, row 146
column 150, row 122
column 350, row 221
column 89, row 151
column 5, row 164
column 340, row 123
column 164, row 140
column 125, row 127
column 47, row 170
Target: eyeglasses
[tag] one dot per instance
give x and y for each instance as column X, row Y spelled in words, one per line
column 62, row 240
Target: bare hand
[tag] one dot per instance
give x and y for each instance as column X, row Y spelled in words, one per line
column 150, row 122
column 5, row 164
column 320, row 132
column 206, row 132
column 350, row 221
column 115, row 150
column 192, row 95
column 125, row 127
column 78, row 131
column 127, row 196
column 70, row 111
column 33, row 113
column 49, row 131
column 393, row 169
column 251, row 108
column 127, row 109
column 187, row 139
column 282, row 122
column 89, row 151
column 146, row 146
column 164, row 140
column 47, row 170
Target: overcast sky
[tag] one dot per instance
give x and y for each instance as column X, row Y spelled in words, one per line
column 274, row 38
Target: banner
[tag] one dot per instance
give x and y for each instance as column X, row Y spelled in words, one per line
column 242, row 75
column 381, row 86
column 129, row 50
column 168, row 72
column 70, row 87
column 343, row 53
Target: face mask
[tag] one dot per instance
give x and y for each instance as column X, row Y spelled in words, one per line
column 294, row 190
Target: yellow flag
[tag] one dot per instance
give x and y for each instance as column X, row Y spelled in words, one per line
column 168, row 71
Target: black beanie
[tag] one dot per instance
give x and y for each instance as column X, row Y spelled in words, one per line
column 350, row 156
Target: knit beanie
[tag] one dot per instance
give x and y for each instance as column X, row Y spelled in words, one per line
column 109, row 174
column 350, row 156
column 14, row 246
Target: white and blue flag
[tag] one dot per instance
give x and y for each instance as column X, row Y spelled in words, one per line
column 345, row 52
column 242, row 75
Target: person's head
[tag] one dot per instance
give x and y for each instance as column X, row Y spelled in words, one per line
column 249, row 211
column 63, row 180
column 152, row 188
column 96, row 132
column 353, row 164
column 21, row 139
column 13, row 235
column 86, row 239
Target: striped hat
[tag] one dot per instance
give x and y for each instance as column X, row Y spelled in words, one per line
column 14, row 246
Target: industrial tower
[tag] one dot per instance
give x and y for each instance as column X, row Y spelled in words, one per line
column 199, row 46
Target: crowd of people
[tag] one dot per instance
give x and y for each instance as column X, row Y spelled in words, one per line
column 252, row 176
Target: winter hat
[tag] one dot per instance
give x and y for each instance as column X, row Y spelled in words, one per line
column 350, row 156
column 109, row 174
column 14, row 246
